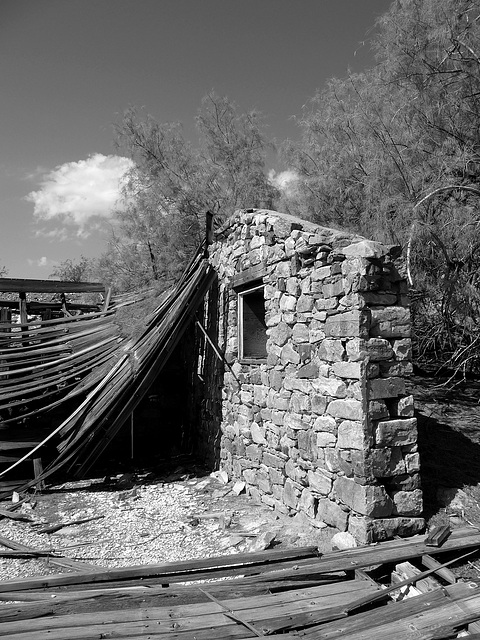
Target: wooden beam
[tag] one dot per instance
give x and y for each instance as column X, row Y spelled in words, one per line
column 249, row 275
column 48, row 286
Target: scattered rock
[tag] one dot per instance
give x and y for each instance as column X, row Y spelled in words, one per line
column 238, row 487
column 343, row 540
column 263, row 541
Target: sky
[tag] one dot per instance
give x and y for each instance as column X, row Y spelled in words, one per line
column 70, row 68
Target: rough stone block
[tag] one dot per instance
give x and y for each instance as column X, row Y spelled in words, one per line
column 298, row 384
column 307, row 444
column 385, row 388
column 272, row 460
column 378, row 349
column 308, row 503
column 351, row 435
column 352, row 324
column 288, row 354
column 325, row 423
column 356, row 350
column 305, row 303
column 330, row 387
column 277, row 477
column 291, row 493
column 325, row 439
column 309, row 370
column 288, row 303
column 394, row 433
column 391, row 322
column 347, row 409
column 387, row 462
column 402, row 349
column 365, row 249
column 369, row 500
column 319, row 482
column 331, row 460
column 254, row 452
column 408, row 503
column 319, row 404
column 331, row 350
column 258, row 433
column 263, row 481
column 402, row 368
column 377, row 409
column 384, row 529
column 405, row 407
column 348, row 370
column 333, row 289
column 332, row 514
column 300, row 333
column 412, row 462
column 250, row 476
column 260, row 393
column 294, row 421
column 300, row 402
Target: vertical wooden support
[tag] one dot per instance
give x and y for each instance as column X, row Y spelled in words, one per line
column 5, row 317
column 107, row 299
column 131, row 435
column 208, row 231
column 37, row 472
column 23, row 308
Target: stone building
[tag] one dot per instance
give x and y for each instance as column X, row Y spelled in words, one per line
column 316, row 418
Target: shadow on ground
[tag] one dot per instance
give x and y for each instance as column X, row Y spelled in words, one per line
column 448, row 437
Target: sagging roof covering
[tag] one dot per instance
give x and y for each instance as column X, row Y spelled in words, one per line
column 87, row 354
column 289, row 593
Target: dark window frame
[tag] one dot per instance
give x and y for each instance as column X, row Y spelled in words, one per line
column 243, row 356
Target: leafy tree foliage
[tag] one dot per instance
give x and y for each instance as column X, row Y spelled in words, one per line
column 80, row 270
column 173, row 185
column 395, row 153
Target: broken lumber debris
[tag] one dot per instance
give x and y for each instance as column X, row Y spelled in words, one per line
column 276, row 593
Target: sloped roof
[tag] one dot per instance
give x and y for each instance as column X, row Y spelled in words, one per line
column 115, row 372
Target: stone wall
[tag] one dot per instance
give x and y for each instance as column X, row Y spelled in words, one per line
column 324, row 424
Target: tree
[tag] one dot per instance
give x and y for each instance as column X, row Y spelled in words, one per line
column 377, row 144
column 74, row 271
column 174, row 184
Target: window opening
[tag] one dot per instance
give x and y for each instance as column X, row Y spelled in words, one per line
column 252, row 329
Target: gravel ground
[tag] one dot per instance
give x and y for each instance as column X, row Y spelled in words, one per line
column 144, row 523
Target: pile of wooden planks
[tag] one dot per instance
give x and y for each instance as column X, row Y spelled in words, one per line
column 287, row 594
column 85, row 360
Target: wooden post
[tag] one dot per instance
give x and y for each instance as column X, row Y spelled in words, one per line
column 208, row 231
column 5, row 317
column 23, row 309
column 131, row 435
column 37, row 472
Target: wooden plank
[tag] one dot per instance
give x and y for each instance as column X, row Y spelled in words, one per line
column 263, row 612
column 260, row 561
column 8, row 285
column 310, row 564
column 438, row 535
column 388, row 618
column 249, row 275
column 443, row 572
column 58, row 561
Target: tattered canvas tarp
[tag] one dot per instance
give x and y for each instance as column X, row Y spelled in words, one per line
column 88, row 359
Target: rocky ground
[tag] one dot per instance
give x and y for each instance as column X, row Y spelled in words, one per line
column 182, row 512
column 142, row 519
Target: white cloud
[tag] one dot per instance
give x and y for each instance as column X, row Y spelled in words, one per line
column 41, row 262
column 80, row 193
column 285, row 181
